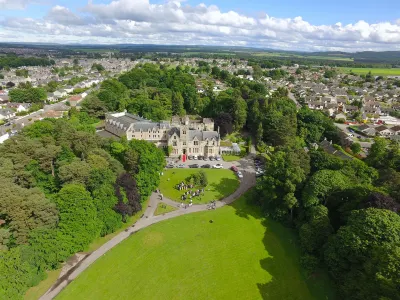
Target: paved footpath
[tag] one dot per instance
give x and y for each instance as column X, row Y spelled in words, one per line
column 247, row 182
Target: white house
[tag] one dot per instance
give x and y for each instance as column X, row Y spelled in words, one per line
column 6, row 114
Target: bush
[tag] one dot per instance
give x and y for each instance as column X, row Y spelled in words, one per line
column 198, row 179
column 309, row 263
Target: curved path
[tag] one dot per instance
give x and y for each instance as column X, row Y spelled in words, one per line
column 247, row 182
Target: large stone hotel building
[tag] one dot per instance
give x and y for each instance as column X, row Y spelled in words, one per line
column 185, row 135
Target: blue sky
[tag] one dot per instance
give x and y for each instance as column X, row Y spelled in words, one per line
column 286, row 24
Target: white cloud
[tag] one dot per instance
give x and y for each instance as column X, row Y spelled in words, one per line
column 14, row 4
column 174, row 22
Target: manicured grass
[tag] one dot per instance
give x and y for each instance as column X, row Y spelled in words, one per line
column 374, row 71
column 231, row 157
column 240, row 255
column 221, row 183
column 36, row 292
column 163, row 208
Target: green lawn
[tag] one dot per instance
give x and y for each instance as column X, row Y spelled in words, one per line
column 374, row 71
column 221, row 183
column 231, row 157
column 239, row 256
column 163, row 208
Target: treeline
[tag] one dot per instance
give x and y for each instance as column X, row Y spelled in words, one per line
column 345, row 210
column 62, row 187
column 13, row 61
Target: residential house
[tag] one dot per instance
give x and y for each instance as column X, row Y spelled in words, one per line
column 6, row 114
column 19, row 107
column 396, row 130
column 384, row 131
column 367, row 130
column 60, row 93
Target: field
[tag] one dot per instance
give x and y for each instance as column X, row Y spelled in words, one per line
column 163, row 208
column 289, row 55
column 239, row 255
column 221, row 183
column 374, row 71
column 229, row 158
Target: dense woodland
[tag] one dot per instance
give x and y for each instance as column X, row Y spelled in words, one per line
column 345, row 211
column 13, row 61
column 62, row 187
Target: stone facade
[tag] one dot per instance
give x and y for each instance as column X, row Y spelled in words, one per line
column 183, row 135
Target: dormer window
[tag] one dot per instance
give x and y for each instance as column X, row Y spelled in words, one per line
column 196, row 143
column 174, row 137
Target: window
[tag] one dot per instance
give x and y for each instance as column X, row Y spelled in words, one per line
column 183, row 131
column 174, row 144
column 210, row 151
column 184, row 143
column 196, row 143
column 174, row 137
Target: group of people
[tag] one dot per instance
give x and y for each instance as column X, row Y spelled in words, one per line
column 190, row 194
column 182, row 186
column 212, row 205
column 186, row 205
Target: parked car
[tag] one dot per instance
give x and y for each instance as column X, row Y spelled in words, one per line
column 195, row 157
column 212, row 158
column 218, row 166
column 194, row 166
column 200, row 157
column 170, row 166
column 234, row 169
column 218, row 158
column 190, row 157
column 205, row 158
column 181, row 166
column 239, row 174
column 207, row 166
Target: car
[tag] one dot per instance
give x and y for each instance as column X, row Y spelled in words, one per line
column 181, row 166
column 200, row 157
column 205, row 158
column 170, row 166
column 234, row 169
column 195, row 157
column 239, row 174
column 218, row 166
column 212, row 158
column 194, row 166
column 218, row 158
column 190, row 157
column 207, row 166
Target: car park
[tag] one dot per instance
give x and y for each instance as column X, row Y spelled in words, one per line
column 218, row 166
column 194, row 166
